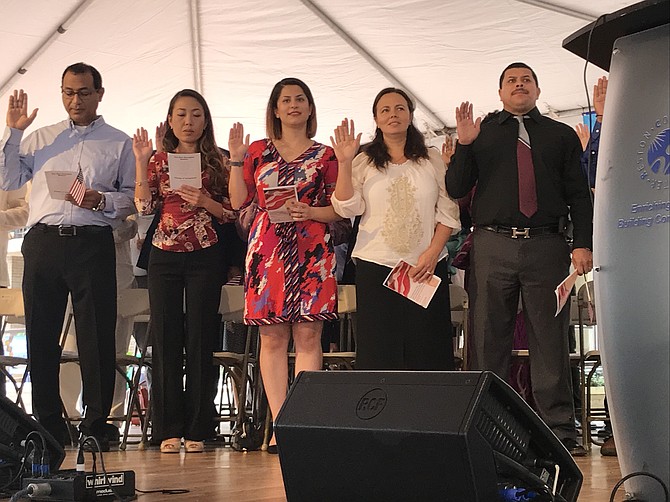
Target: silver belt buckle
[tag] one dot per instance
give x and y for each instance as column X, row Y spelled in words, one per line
column 67, row 230
column 524, row 232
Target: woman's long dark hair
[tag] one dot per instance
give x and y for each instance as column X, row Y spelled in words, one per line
column 415, row 145
column 212, row 159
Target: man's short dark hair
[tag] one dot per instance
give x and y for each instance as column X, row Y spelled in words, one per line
column 517, row 65
column 80, row 68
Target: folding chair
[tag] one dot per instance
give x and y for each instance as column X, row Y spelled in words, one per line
column 589, row 361
column 346, row 359
column 134, row 304
column 11, row 311
column 131, row 303
column 241, row 380
column 460, row 311
column 346, row 308
column 231, row 309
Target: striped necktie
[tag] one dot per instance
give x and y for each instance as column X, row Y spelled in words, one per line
column 524, row 162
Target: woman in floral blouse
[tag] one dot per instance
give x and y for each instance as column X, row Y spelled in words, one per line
column 185, row 271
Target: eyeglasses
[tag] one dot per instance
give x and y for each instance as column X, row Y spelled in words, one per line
column 82, row 93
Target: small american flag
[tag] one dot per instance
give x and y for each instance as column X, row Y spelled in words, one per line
column 78, row 189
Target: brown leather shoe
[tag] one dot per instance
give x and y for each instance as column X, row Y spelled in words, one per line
column 608, row 449
column 575, row 449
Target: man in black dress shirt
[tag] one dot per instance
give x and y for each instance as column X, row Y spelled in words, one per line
column 517, row 251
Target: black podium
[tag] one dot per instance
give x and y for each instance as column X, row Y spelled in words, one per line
column 632, row 233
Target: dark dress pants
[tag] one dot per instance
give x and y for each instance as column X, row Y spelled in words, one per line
column 184, row 340
column 394, row 333
column 503, row 268
column 82, row 266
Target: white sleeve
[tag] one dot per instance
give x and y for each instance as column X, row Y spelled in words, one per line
column 446, row 209
column 356, row 204
column 121, row 203
column 16, row 214
column 16, row 165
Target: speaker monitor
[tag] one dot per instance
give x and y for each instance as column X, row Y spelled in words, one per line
column 401, row 436
column 15, row 425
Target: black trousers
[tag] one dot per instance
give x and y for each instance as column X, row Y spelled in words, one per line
column 503, row 268
column 184, row 340
column 83, row 266
column 394, row 333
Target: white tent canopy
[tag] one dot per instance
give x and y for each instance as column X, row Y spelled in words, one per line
column 442, row 51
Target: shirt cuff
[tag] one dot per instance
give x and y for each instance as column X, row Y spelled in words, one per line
column 12, row 136
column 348, row 208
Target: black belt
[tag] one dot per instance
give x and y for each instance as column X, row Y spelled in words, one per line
column 522, row 232
column 72, row 230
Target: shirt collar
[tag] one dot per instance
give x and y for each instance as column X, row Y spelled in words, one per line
column 98, row 122
column 533, row 114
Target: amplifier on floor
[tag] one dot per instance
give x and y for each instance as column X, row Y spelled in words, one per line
column 15, row 426
column 398, row 436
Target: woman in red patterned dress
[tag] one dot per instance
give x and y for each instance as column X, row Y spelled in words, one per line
column 290, row 285
column 185, row 268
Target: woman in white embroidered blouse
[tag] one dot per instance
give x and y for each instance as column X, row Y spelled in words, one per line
column 397, row 186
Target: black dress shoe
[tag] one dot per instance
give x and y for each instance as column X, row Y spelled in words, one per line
column 105, row 434
column 575, row 449
column 272, row 449
column 88, row 443
column 58, row 429
column 608, row 449
column 109, row 432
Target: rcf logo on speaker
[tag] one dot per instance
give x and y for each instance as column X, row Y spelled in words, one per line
column 371, row 404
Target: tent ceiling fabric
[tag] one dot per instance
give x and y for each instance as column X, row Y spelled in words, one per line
column 443, row 52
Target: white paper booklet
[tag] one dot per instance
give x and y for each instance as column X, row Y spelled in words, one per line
column 400, row 282
column 275, row 202
column 563, row 291
column 184, row 170
column 59, row 183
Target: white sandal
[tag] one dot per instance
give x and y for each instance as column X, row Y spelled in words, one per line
column 171, row 445
column 194, row 446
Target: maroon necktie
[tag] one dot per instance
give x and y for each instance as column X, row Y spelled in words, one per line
column 524, row 162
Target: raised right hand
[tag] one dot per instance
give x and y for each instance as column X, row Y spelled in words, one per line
column 161, row 129
column 584, row 135
column 599, row 93
column 346, row 142
column 448, row 149
column 142, row 146
column 238, row 144
column 466, row 128
column 17, row 112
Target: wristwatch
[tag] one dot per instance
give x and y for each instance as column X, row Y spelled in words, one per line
column 101, row 204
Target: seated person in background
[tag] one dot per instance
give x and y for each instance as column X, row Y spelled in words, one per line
column 13, row 215
column 125, row 279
